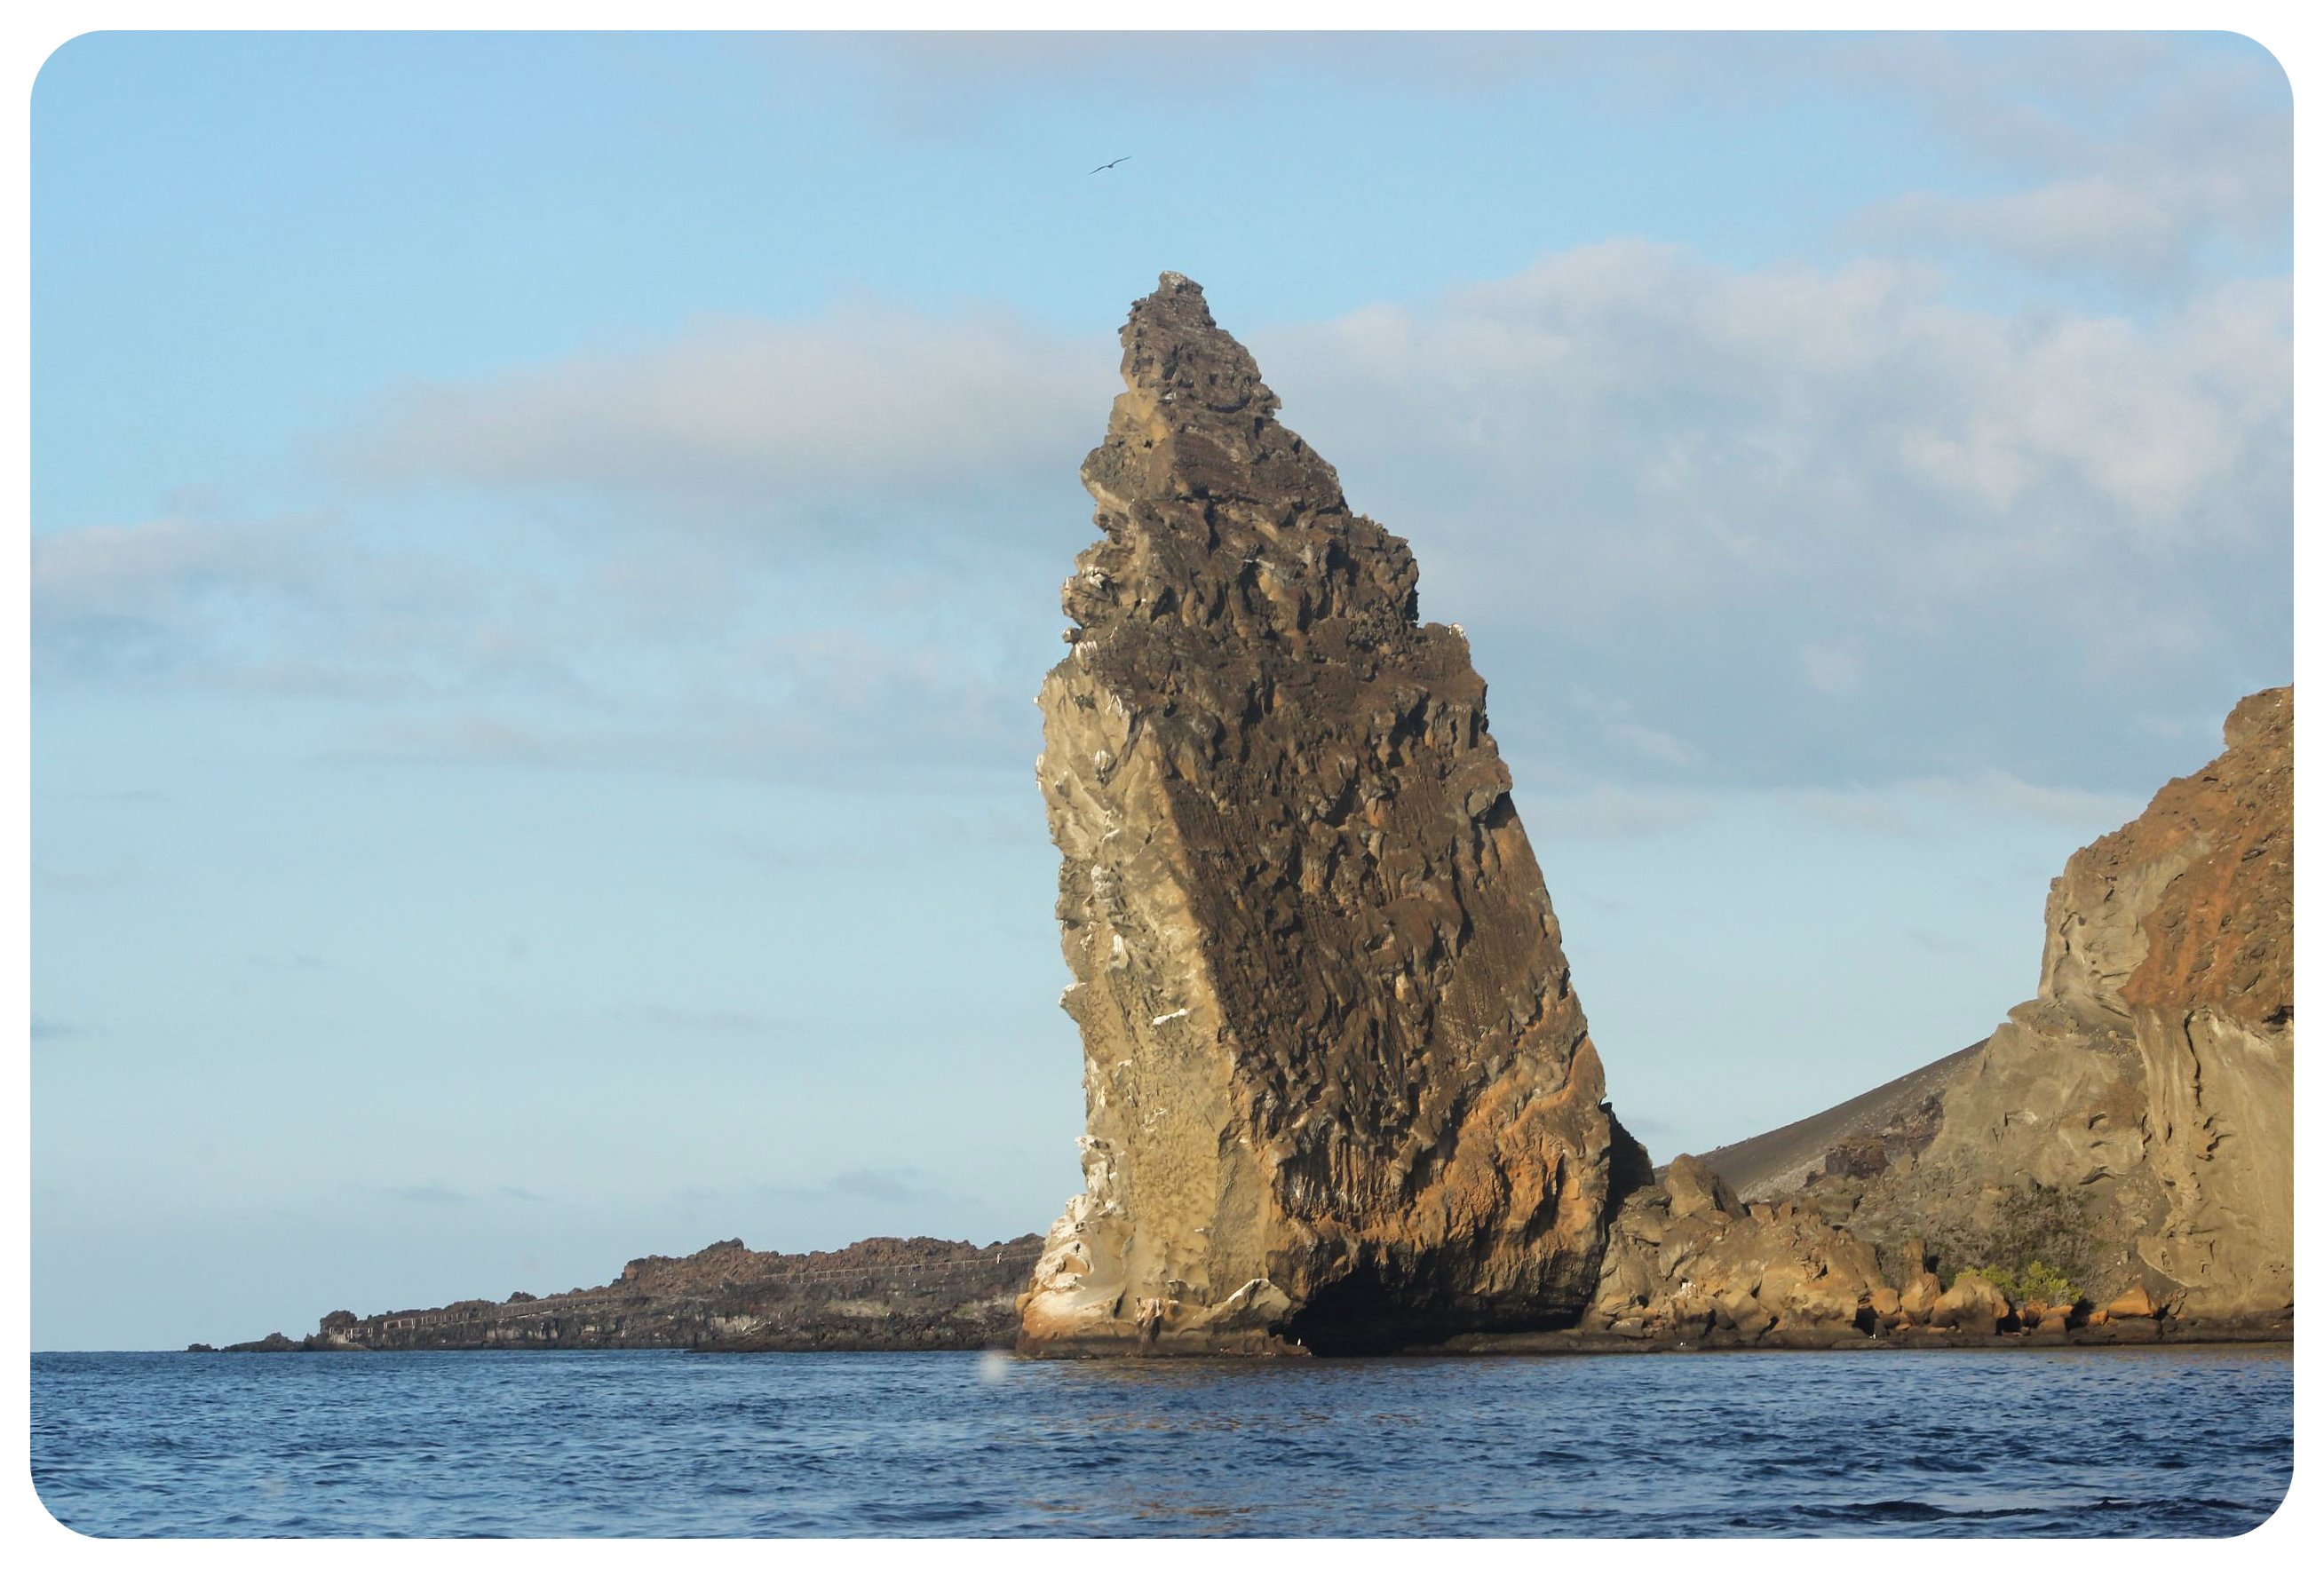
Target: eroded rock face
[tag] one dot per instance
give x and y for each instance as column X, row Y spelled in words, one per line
column 2149, row 1083
column 2129, row 1128
column 1340, row 1090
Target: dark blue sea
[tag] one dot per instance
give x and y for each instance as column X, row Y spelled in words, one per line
column 2191, row 1442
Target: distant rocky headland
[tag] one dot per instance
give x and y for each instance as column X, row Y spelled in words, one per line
column 886, row 1294
column 1341, row 1094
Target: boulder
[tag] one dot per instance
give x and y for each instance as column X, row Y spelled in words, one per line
column 1860, row 1155
column 1920, row 1296
column 1696, row 1189
column 1972, row 1304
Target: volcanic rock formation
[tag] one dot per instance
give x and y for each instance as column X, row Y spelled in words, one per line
column 2117, row 1157
column 1690, row 1263
column 1885, row 1128
column 2150, row 1078
column 1340, row 1090
column 884, row 1293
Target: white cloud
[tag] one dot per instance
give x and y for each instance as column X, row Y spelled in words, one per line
column 880, row 1185
column 846, row 414
column 2101, row 811
column 1689, row 486
column 1834, row 671
column 1659, row 744
column 156, row 570
column 2143, row 161
column 1717, row 388
column 1604, row 812
column 1936, row 807
column 2135, row 158
column 588, row 655
column 2147, row 226
column 293, row 606
column 1862, row 811
column 1715, row 498
column 1920, row 808
column 810, row 706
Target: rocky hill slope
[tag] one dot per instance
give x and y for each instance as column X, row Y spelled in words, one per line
column 1887, row 1126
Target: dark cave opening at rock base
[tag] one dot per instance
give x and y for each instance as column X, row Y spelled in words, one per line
column 1360, row 1314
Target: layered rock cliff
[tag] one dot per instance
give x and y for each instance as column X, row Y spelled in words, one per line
column 1340, row 1090
column 884, row 1294
column 2115, row 1162
column 2150, row 1076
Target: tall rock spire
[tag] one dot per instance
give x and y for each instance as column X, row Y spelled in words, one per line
column 1341, row 1094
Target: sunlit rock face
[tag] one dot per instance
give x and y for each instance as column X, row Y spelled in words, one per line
column 2149, row 1080
column 2129, row 1128
column 2154, row 1071
column 1341, row 1093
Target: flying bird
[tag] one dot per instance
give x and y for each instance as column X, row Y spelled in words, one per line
column 1102, row 168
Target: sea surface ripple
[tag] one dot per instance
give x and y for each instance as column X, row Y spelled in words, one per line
column 2183, row 1442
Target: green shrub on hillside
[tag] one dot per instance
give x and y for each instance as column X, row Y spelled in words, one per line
column 2002, row 1280
column 2038, row 1244
column 2037, row 1282
column 2043, row 1283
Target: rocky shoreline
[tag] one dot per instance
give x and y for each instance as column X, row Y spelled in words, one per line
column 921, row 1295
column 884, row 1293
column 1581, row 1342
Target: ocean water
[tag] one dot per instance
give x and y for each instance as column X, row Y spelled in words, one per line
column 2189, row 1442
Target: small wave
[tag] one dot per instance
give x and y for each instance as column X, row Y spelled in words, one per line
column 659, row 1445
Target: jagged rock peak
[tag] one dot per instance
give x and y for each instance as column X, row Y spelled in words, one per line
column 1174, row 348
column 1340, row 1090
column 1216, row 516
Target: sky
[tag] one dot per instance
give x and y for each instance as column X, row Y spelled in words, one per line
column 543, row 548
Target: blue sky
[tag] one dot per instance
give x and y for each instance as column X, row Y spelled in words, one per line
column 543, row 548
